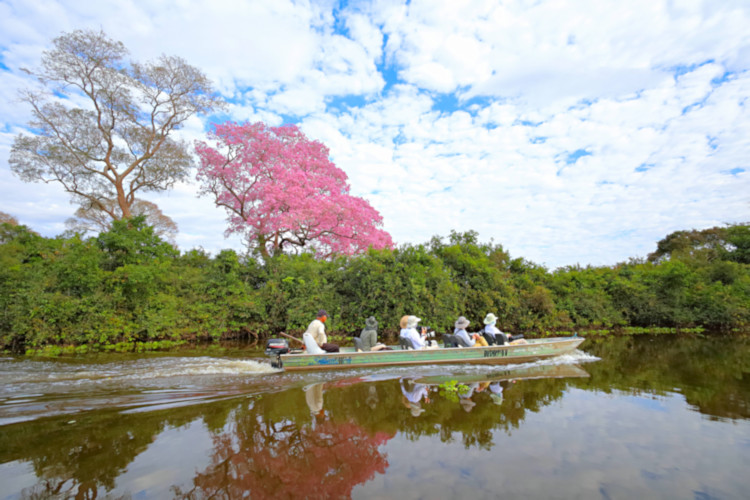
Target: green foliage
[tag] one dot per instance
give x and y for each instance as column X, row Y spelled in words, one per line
column 451, row 390
column 738, row 237
column 483, row 285
column 132, row 241
column 294, row 288
column 127, row 289
column 726, row 243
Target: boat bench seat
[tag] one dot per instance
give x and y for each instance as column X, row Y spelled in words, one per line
column 461, row 342
column 358, row 344
column 405, row 343
column 449, row 340
column 498, row 339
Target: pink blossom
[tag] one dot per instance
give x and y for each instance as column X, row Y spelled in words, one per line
column 281, row 191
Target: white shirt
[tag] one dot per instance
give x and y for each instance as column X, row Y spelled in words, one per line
column 416, row 338
column 465, row 336
column 492, row 330
column 416, row 394
column 310, row 344
column 317, row 331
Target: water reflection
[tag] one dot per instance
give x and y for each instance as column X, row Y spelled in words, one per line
column 341, row 434
column 712, row 373
column 314, row 399
column 270, row 454
column 412, row 394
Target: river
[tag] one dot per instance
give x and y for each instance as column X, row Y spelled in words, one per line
column 622, row 418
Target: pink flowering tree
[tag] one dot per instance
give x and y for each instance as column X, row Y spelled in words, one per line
column 283, row 193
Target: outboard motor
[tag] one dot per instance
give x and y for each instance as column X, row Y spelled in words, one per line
column 277, row 347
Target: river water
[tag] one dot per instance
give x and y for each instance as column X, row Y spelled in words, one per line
column 640, row 417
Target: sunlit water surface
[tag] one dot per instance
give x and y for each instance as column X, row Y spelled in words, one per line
column 624, row 418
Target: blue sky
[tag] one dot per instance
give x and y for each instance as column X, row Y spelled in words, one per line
column 576, row 132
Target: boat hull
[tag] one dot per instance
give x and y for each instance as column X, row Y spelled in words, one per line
column 503, row 354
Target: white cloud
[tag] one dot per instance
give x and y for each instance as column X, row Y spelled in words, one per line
column 654, row 92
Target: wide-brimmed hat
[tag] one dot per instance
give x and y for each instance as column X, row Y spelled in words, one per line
column 415, row 409
column 412, row 321
column 371, row 322
column 403, row 321
column 466, row 404
column 489, row 319
column 462, row 322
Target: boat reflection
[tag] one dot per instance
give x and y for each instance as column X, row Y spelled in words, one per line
column 470, row 389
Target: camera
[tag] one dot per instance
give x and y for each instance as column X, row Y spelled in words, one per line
column 428, row 332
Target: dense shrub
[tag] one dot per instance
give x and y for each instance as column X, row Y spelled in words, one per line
column 128, row 287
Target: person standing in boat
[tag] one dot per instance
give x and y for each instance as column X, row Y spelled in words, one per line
column 315, row 337
column 369, row 336
column 409, row 331
column 473, row 340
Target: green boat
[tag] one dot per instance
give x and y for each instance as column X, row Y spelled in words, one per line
column 348, row 357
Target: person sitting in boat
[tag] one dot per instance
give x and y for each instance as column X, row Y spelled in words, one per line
column 409, row 331
column 402, row 323
column 315, row 338
column 471, row 340
column 369, row 336
column 491, row 331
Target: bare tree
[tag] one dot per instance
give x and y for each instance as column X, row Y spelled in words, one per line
column 121, row 141
column 94, row 217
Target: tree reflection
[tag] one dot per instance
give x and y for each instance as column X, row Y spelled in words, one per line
column 713, row 374
column 80, row 458
column 265, row 458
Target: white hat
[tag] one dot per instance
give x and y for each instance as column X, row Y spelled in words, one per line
column 489, row 319
column 415, row 409
column 412, row 321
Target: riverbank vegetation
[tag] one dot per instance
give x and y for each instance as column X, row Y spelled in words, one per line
column 128, row 289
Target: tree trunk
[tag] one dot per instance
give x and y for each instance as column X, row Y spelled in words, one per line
column 262, row 248
column 122, row 200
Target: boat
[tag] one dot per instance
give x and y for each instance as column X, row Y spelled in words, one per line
column 348, row 357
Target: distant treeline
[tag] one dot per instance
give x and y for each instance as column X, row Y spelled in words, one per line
column 128, row 286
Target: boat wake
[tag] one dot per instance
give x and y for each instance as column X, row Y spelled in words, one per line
column 16, row 376
column 34, row 389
